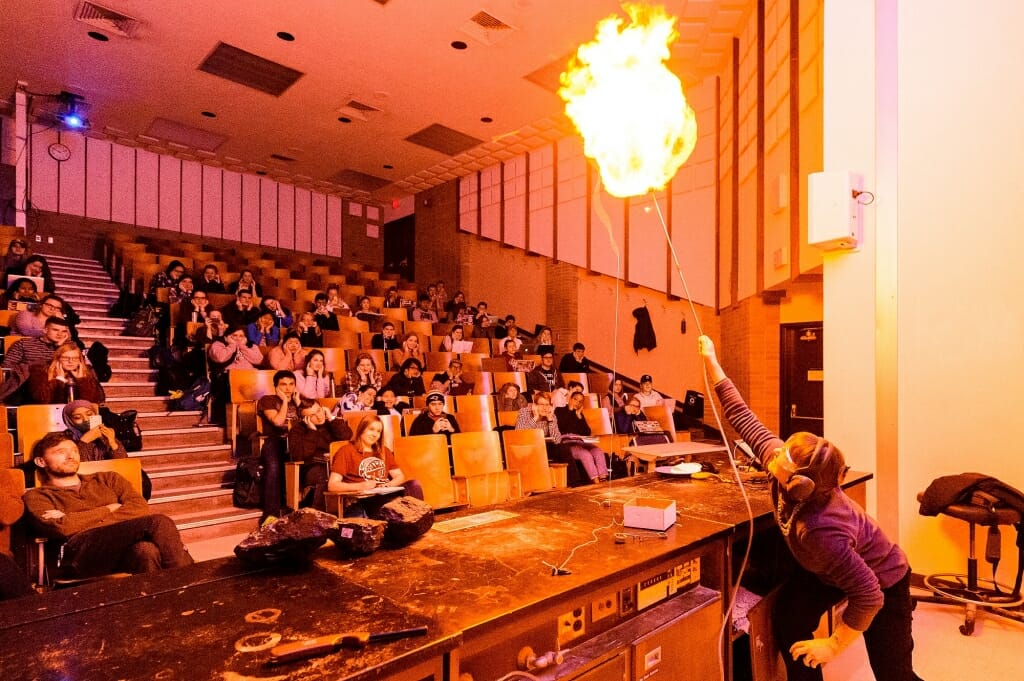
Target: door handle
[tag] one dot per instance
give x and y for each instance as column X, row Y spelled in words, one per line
column 792, row 411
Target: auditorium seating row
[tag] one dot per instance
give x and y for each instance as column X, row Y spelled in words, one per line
column 478, row 410
column 133, row 259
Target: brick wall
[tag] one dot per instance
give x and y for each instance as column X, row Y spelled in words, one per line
column 749, row 352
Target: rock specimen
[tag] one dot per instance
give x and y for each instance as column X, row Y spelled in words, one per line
column 408, row 519
column 292, row 538
column 358, row 536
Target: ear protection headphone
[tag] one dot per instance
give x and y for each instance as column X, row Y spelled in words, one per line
column 796, row 484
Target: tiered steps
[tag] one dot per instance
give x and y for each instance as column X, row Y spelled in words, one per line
column 191, row 467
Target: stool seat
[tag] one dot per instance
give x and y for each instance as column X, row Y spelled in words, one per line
column 968, row 589
column 983, row 516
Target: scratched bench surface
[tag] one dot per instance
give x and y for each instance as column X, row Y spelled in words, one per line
column 215, row 620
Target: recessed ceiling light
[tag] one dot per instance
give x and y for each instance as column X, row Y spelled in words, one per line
column 486, row 119
column 285, row 36
column 459, row 45
column 208, row 114
column 344, row 119
column 96, row 35
column 388, row 166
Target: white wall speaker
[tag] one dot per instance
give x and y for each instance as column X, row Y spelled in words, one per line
column 834, row 217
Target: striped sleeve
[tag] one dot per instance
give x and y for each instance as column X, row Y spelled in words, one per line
column 762, row 441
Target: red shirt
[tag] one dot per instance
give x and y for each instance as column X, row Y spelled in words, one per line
column 355, row 466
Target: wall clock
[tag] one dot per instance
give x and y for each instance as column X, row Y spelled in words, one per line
column 58, row 152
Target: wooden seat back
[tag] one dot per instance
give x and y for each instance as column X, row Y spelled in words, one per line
column 526, row 452
column 425, row 458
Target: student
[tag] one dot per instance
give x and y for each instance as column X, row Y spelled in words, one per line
column 278, row 412
column 105, row 522
column 841, row 551
column 434, row 419
column 365, row 464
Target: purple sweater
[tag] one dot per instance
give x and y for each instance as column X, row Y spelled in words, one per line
column 831, row 536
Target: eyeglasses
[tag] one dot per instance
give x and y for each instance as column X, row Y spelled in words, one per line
column 68, row 358
column 53, row 306
column 198, row 297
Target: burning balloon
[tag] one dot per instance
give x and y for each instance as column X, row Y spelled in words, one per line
column 626, row 103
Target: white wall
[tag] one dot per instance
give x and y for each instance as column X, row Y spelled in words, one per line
column 961, row 312
column 927, row 102
column 107, row 181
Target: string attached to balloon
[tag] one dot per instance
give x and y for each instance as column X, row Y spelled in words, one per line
column 639, row 129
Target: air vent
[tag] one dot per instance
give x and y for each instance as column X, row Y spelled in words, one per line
column 444, row 139
column 359, row 106
column 353, row 179
column 487, row 28
column 192, row 138
column 489, row 22
column 250, row 70
column 106, row 19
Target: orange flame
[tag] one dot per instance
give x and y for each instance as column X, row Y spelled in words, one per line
column 629, row 108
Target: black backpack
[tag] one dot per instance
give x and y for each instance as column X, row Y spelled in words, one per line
column 99, row 358
column 143, row 323
column 124, row 427
column 248, row 491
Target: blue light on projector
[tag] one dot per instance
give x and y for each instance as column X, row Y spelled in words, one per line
column 74, row 121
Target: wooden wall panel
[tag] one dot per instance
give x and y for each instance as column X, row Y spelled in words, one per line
column 334, row 236
column 285, row 216
column 147, row 172
column 97, row 179
column 490, row 202
column 541, row 187
column 469, row 203
column 647, row 263
column 43, row 169
column 318, row 223
column 232, row 205
column 71, row 176
column 191, row 197
column 122, row 184
column 169, row 216
column 303, row 215
column 213, row 201
column 250, row 209
column 268, row 212
column 571, row 211
column 514, row 207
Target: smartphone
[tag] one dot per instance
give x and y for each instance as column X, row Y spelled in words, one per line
column 95, row 421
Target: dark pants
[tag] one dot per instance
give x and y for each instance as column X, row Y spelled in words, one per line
column 272, row 456
column 144, row 544
column 803, row 599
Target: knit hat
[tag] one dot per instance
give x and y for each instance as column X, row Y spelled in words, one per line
column 435, row 396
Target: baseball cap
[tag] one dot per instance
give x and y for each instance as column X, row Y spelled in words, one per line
column 646, row 378
column 434, row 396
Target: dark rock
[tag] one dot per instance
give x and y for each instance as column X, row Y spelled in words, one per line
column 358, row 536
column 408, row 519
column 293, row 538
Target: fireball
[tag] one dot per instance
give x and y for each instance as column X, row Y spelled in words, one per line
column 627, row 105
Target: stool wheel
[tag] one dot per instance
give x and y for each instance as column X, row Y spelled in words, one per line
column 988, row 592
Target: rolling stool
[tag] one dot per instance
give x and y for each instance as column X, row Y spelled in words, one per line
column 970, row 590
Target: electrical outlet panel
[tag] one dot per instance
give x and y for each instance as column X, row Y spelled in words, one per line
column 603, row 606
column 571, row 625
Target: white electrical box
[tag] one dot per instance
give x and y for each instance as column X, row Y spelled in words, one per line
column 833, row 213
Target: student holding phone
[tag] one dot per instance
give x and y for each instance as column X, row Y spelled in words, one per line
column 96, row 442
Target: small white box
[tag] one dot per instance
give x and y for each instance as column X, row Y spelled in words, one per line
column 833, row 212
column 649, row 513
